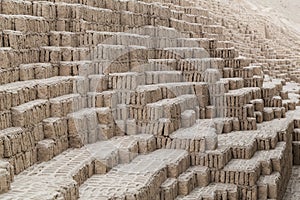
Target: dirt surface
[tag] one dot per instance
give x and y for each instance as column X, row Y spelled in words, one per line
column 284, row 12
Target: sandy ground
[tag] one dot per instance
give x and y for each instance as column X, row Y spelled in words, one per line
column 285, row 13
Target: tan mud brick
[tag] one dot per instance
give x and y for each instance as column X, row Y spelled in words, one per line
column 188, row 118
column 110, row 99
column 258, row 105
column 76, row 68
column 258, row 116
column 146, row 143
column 98, row 83
column 297, row 122
column 15, row 140
column 186, row 183
column 104, row 115
column 105, row 132
column 37, row 71
column 95, row 99
column 268, row 114
column 80, row 125
column 5, row 119
column 55, row 127
column 57, row 86
column 23, row 160
column 296, row 152
column 63, row 105
column 296, row 134
column 278, row 113
column 169, row 189
column 45, row 150
column 61, row 144
column 284, row 95
column 6, row 176
column 81, row 86
column 210, row 112
column 131, row 127
column 30, row 113
column 202, row 175
column 36, row 131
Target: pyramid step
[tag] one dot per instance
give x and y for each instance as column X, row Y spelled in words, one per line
column 214, row 29
column 16, row 7
column 6, row 177
column 213, row 191
column 140, row 173
column 196, row 138
column 76, row 68
column 103, row 99
column 48, row 148
column 153, row 93
column 146, row 143
column 111, row 52
column 202, row 175
column 25, row 23
column 11, row 58
column 234, row 83
column 156, row 77
column 205, row 43
column 64, row 38
column 83, row 126
column 119, row 150
column 59, row 173
column 127, row 81
column 296, row 152
column 169, row 189
column 57, row 54
column 115, row 151
column 215, row 159
column 212, row 36
column 255, row 81
column 247, row 172
column 23, row 40
column 171, row 108
column 161, row 65
column 200, row 64
column 225, row 44
column 56, row 128
column 72, row 167
column 18, row 147
column 18, row 93
column 197, row 176
column 186, row 182
column 120, row 38
column 296, row 133
column 188, row 118
column 289, row 104
column 270, row 113
column 243, row 144
column 225, row 53
column 63, row 105
column 30, row 113
column 269, row 187
column 186, row 26
column 37, row 71
column 6, row 120
column 183, row 52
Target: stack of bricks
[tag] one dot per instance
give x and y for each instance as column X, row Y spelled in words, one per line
column 142, row 100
